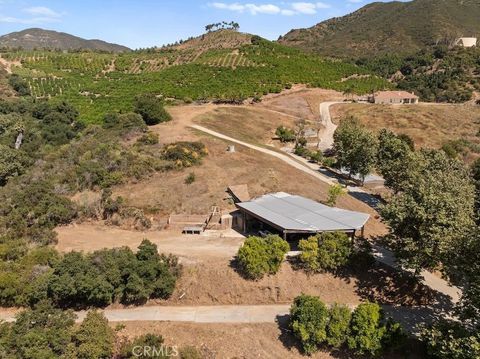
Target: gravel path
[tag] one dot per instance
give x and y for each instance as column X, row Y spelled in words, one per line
column 326, row 140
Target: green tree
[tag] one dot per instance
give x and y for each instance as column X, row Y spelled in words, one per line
column 308, row 319
column 327, row 251
column 433, row 211
column 334, row 192
column 285, row 134
column 366, row 330
column 151, row 109
column 42, row 332
column 355, row 147
column 260, row 256
column 447, row 339
column 94, row 339
column 12, row 163
column 395, row 160
column 338, row 325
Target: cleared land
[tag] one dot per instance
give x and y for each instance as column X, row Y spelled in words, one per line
column 429, row 125
column 240, row 341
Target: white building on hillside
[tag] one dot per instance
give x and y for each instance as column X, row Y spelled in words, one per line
column 467, row 41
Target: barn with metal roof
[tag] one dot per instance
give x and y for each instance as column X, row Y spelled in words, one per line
column 289, row 214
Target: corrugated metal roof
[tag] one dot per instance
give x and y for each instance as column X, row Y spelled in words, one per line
column 302, row 214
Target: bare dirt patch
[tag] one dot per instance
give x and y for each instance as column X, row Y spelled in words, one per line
column 429, row 125
column 89, row 237
column 301, row 102
column 242, row 340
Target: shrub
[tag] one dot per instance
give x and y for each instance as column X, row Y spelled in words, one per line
column 285, row 134
column 260, row 256
column 124, row 123
column 185, row 154
column 190, row 178
column 334, row 250
column 338, row 325
column 148, row 139
column 334, row 192
column 151, row 109
column 113, row 275
column 145, row 341
column 308, row 320
column 19, row 85
column 366, row 330
column 327, row 251
column 12, row 163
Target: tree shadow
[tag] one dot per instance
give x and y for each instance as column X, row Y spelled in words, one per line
column 403, row 297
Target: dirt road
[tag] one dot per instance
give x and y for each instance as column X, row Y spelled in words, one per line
column 326, row 136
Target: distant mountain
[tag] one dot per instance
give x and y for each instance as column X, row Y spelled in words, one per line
column 46, row 39
column 399, row 27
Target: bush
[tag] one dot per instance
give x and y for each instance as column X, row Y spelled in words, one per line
column 334, row 192
column 148, row 139
column 12, row 163
column 19, row 85
column 124, row 123
column 308, row 320
column 327, row 251
column 260, row 256
column 366, row 330
column 151, row 109
column 285, row 134
column 185, row 154
column 113, row 275
column 190, row 178
column 145, row 341
column 338, row 325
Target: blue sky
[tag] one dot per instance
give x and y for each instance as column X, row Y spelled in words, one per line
column 145, row 23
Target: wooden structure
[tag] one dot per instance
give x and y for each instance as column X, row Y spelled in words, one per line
column 239, row 193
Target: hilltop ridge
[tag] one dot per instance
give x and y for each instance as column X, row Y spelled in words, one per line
column 379, row 28
column 36, row 38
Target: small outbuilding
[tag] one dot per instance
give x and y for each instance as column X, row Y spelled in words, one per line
column 394, row 97
column 296, row 215
column 467, row 42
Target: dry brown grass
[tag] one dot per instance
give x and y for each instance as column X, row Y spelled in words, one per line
column 246, row 341
column 249, row 124
column 429, row 125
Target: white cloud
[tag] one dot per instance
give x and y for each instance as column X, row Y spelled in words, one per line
column 305, row 8
column 295, row 8
column 263, row 9
column 38, row 15
column 30, row 21
column 42, row 11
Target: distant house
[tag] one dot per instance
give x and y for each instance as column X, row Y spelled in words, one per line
column 467, row 41
column 394, row 97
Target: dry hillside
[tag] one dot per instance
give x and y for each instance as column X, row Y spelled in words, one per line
column 430, row 125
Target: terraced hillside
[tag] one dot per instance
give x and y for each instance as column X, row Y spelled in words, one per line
column 199, row 69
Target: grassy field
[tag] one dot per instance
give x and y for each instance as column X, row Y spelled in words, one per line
column 429, row 125
column 100, row 83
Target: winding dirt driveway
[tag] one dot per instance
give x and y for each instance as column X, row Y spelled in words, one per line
column 326, row 136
